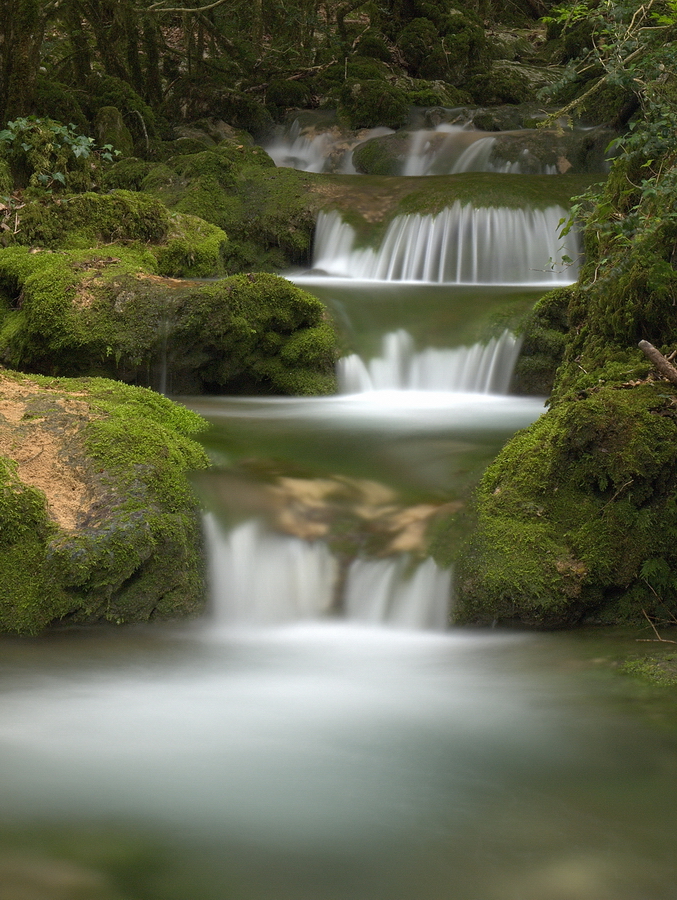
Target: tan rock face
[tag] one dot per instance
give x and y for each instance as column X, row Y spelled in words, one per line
column 41, row 446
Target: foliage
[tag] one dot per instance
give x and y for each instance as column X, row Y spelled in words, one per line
column 44, row 153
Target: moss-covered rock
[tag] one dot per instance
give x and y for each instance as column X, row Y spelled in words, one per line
column 82, row 312
column 110, row 129
column 509, row 82
column 543, row 333
column 576, row 513
column 268, row 213
column 85, row 220
column 100, row 525
column 574, row 152
column 366, row 104
column 172, row 244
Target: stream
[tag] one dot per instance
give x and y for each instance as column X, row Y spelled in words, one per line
column 322, row 734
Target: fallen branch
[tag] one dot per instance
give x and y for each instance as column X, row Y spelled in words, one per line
column 666, row 369
column 658, row 639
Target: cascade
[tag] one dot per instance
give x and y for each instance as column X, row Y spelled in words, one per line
column 480, row 368
column 460, row 245
column 454, row 149
column 325, row 151
column 262, row 578
column 478, row 158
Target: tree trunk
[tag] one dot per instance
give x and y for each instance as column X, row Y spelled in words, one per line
column 22, row 27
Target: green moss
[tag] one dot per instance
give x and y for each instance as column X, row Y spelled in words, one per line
column 372, row 102
column 662, row 672
column 572, row 510
column 6, row 180
column 543, row 334
column 24, row 532
column 194, row 249
column 111, row 130
column 504, row 86
column 106, row 91
column 127, row 174
column 82, row 312
column 266, row 212
column 85, row 220
column 136, row 554
column 58, row 101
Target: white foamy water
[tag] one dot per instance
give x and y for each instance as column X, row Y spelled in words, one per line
column 480, row 368
column 261, row 578
column 327, row 151
column 462, row 149
column 460, row 245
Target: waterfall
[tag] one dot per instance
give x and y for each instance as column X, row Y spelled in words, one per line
column 454, row 149
column 328, row 151
column 262, row 578
column 295, row 151
column 459, row 245
column 480, row 368
column 379, row 591
column 478, row 158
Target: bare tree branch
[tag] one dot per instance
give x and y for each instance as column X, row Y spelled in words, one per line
column 159, row 8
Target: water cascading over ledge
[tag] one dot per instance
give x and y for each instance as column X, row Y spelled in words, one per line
column 260, row 578
column 459, row 245
column 478, row 369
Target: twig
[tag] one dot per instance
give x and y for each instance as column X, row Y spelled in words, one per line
column 658, row 639
column 666, row 369
column 621, row 488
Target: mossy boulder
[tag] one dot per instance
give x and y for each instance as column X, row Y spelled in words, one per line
column 267, row 213
column 111, row 130
column 366, row 104
column 98, row 522
column 543, row 334
column 509, row 82
column 182, row 245
column 577, row 516
column 83, row 312
column 574, row 152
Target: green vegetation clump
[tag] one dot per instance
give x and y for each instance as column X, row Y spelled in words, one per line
column 571, row 512
column 660, row 671
column 265, row 211
column 24, row 533
column 366, row 104
column 88, row 219
column 134, row 553
column 173, row 244
column 82, row 312
column 543, row 332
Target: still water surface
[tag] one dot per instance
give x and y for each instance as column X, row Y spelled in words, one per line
column 332, row 761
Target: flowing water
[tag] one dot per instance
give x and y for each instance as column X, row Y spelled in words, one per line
column 322, row 734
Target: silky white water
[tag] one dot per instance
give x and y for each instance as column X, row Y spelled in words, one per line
column 454, row 149
column 480, row 368
column 460, row 245
column 325, row 151
column 319, row 735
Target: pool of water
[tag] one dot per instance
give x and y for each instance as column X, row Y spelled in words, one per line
column 326, row 760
